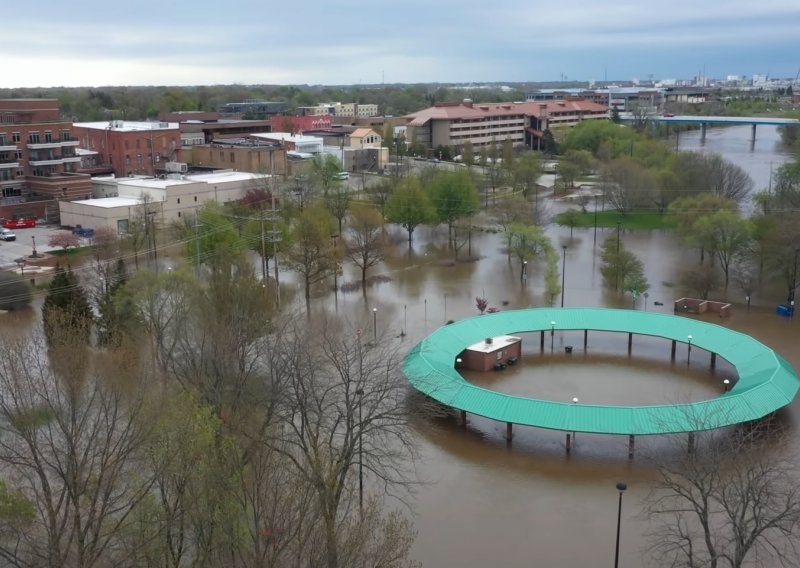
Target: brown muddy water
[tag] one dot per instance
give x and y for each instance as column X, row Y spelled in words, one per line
column 486, row 503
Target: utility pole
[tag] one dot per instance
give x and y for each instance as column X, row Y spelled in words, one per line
column 197, row 242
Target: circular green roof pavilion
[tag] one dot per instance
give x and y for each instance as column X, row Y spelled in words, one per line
column 766, row 382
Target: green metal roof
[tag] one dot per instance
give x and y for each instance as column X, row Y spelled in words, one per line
column 766, row 381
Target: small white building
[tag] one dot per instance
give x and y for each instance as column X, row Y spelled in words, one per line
column 293, row 142
column 170, row 198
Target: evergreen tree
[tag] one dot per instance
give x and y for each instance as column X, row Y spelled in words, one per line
column 549, row 142
column 66, row 307
column 113, row 308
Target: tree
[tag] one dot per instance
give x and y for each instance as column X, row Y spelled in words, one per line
column 725, row 179
column 509, row 212
column 688, row 210
column 63, row 239
column 114, row 311
column 468, row 154
column 15, row 292
column 379, row 194
column 701, row 280
column 481, row 304
column 454, row 196
column 630, row 186
column 526, row 172
column 365, row 241
column 312, row 253
column 66, row 310
column 410, row 206
column 337, row 201
column 622, row 270
column 733, row 501
column 211, row 236
column 571, row 218
column 725, row 233
column 72, row 445
column 324, row 171
column 787, row 186
column 549, row 145
column 615, row 118
column 343, row 412
column 527, row 243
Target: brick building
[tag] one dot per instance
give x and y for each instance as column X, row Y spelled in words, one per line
column 37, row 153
column 243, row 155
column 487, row 124
column 129, row 147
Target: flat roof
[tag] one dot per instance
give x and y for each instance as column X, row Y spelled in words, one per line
column 288, row 137
column 155, row 183
column 499, row 342
column 221, row 177
column 128, row 125
column 110, row 202
column 767, row 382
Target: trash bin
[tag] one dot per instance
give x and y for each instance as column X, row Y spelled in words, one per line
column 568, row 349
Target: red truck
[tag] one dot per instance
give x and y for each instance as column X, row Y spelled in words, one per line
column 24, row 223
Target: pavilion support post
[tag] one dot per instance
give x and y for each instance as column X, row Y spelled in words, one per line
column 569, row 442
column 690, row 448
column 585, row 339
column 713, row 361
column 541, row 341
column 463, row 418
column 508, row 432
column 630, row 447
column 703, row 127
column 672, row 353
column 630, row 343
column 753, row 135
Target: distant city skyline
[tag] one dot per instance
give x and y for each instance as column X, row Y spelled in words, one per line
column 353, row 41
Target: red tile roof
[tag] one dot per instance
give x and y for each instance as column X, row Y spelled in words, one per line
column 454, row 111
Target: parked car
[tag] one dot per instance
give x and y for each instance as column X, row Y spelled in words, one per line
column 343, row 175
column 7, row 235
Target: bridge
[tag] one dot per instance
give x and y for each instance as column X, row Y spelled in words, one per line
column 704, row 121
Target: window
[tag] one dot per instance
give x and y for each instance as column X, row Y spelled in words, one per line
column 65, row 136
column 127, row 144
column 499, row 355
column 15, row 136
column 33, row 138
column 195, row 198
column 2, row 139
column 179, row 201
column 232, row 157
column 179, row 213
column 48, row 136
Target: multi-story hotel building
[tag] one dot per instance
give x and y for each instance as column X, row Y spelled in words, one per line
column 37, row 153
column 129, row 147
column 489, row 124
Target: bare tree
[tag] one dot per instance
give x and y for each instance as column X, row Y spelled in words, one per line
column 732, row 501
column 72, row 443
column 701, row 280
column 366, row 241
column 342, row 414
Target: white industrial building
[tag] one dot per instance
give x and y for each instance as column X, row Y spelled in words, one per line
column 118, row 200
column 293, row 142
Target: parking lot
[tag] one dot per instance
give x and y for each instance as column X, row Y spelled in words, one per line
column 23, row 246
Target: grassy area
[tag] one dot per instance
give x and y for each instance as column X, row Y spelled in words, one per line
column 71, row 252
column 639, row 219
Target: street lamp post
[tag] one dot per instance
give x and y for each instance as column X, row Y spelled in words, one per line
column 552, row 333
column 689, row 351
column 595, row 219
column 727, row 384
column 563, row 273
column 375, row 324
column 524, row 275
column 619, row 226
column 747, row 298
column 33, row 240
column 574, row 401
column 621, row 487
column 335, row 240
column 360, row 394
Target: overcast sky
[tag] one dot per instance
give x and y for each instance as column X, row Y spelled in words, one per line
column 177, row 42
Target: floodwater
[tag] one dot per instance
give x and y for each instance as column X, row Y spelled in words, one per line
column 734, row 144
column 487, row 503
